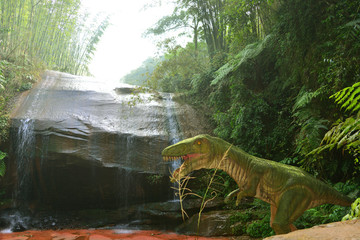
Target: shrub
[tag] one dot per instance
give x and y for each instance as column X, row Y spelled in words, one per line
column 355, row 211
column 260, row 228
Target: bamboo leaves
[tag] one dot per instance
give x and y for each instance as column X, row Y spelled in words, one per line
column 48, row 30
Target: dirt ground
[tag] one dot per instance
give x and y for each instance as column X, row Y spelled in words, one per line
column 98, row 235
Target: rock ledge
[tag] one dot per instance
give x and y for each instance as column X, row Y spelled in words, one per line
column 337, row 230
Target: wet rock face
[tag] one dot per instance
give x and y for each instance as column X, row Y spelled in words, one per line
column 77, row 143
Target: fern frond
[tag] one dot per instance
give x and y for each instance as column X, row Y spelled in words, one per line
column 345, row 135
column 354, row 103
column 304, row 98
column 348, row 98
column 356, row 108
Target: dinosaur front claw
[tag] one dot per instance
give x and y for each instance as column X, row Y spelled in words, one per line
column 239, row 196
column 231, row 195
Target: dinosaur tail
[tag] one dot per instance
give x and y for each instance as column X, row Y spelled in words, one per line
column 330, row 195
column 340, row 199
column 337, row 198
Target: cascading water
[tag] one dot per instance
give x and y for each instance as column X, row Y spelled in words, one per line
column 24, row 154
column 174, row 132
column 24, row 150
column 130, row 148
column 25, row 143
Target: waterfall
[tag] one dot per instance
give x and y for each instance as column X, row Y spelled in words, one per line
column 174, row 131
column 24, row 154
column 130, row 148
column 75, row 145
column 173, row 126
column 25, row 142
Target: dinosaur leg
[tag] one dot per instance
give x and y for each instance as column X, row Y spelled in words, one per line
column 292, row 205
column 273, row 211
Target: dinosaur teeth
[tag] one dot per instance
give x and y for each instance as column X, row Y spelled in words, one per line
column 172, row 158
column 166, row 158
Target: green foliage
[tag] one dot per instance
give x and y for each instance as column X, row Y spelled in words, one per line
column 254, row 221
column 349, row 98
column 271, row 67
column 4, row 124
column 240, row 217
column 55, row 32
column 327, row 213
column 239, row 221
column 180, row 65
column 222, row 183
column 248, row 54
column 249, row 21
column 141, row 75
column 354, row 212
column 320, row 215
column 260, row 228
column 2, row 164
column 155, row 179
column 25, row 86
column 16, row 75
column 344, row 136
column 309, row 120
column 268, row 88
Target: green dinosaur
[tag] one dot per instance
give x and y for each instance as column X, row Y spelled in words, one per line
column 288, row 189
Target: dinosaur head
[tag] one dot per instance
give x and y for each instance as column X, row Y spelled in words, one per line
column 197, row 153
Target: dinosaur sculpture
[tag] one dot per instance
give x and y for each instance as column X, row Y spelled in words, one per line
column 288, row 189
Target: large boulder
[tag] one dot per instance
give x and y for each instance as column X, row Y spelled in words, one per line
column 215, row 223
column 78, row 143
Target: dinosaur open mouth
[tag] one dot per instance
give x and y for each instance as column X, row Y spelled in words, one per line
column 183, row 157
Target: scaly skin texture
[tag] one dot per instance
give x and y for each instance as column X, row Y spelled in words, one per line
column 288, row 189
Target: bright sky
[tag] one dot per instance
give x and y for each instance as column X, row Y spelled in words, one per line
column 122, row 47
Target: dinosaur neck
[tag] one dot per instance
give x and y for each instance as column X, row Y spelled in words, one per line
column 237, row 164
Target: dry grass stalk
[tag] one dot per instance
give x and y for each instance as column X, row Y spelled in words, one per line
column 183, row 191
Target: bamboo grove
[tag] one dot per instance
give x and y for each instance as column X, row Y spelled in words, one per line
column 42, row 34
column 54, row 31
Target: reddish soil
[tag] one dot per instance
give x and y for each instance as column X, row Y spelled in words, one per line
column 98, row 235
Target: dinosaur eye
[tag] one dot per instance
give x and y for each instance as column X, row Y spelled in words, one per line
column 199, row 143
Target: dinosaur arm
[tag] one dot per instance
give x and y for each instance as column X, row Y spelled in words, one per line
column 249, row 191
column 231, row 195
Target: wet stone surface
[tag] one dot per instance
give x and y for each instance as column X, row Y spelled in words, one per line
column 79, row 143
